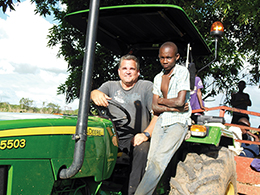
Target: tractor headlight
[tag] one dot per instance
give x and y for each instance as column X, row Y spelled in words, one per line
column 198, row 130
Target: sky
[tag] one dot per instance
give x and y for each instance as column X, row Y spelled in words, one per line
column 29, row 69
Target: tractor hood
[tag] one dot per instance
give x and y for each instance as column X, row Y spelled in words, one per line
column 22, row 124
column 142, row 28
column 17, row 116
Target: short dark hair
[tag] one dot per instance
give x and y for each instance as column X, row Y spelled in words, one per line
column 242, row 83
column 244, row 121
column 129, row 57
column 170, row 44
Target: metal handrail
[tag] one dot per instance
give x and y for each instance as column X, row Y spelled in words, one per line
column 222, row 111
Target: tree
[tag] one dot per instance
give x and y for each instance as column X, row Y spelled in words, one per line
column 25, row 103
column 7, row 3
column 54, row 108
column 239, row 44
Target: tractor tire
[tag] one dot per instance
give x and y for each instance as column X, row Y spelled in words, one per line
column 211, row 171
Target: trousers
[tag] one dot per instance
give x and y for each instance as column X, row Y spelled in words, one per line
column 250, row 151
column 138, row 160
column 165, row 142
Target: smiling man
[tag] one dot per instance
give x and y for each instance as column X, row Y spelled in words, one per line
column 136, row 97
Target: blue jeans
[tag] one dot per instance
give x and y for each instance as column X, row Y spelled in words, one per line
column 250, row 151
column 165, row 142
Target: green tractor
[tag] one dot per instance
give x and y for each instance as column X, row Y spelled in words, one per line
column 53, row 154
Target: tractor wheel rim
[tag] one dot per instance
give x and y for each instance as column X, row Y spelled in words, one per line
column 230, row 189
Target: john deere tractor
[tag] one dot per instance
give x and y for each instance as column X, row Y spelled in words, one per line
column 53, row 154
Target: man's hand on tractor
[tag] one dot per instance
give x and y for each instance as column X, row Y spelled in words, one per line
column 99, row 98
column 115, row 140
column 138, row 139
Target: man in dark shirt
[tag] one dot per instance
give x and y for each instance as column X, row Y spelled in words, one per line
column 136, row 97
column 240, row 100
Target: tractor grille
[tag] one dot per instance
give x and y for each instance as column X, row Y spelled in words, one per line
column 3, row 179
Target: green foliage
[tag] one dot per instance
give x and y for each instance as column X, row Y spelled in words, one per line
column 25, row 103
column 4, row 107
column 54, row 108
column 240, row 43
column 7, row 3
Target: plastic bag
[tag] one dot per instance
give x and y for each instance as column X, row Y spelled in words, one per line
column 255, row 164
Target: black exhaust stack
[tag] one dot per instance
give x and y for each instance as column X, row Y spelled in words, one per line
column 88, row 64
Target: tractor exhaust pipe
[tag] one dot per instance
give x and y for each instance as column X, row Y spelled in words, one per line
column 86, row 79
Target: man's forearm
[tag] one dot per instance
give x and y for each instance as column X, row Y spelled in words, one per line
column 151, row 125
column 99, row 98
column 240, row 102
column 171, row 103
column 199, row 95
column 158, row 109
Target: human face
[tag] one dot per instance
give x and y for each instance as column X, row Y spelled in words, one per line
column 168, row 57
column 128, row 73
